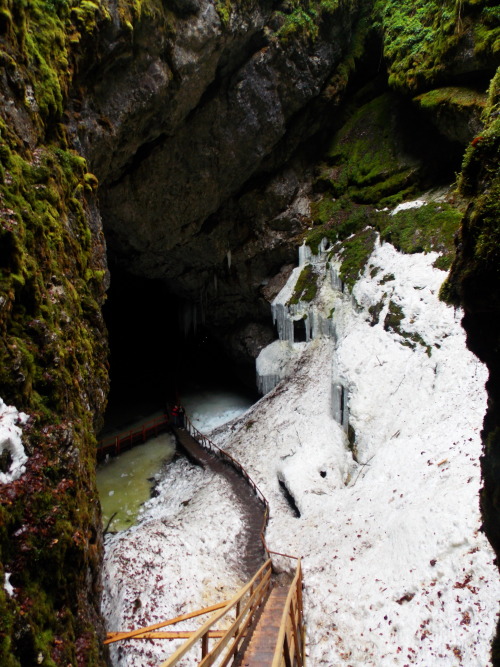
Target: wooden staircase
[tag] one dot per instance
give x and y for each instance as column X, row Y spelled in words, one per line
column 262, row 640
column 266, row 627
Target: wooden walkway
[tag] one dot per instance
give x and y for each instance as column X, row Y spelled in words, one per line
column 260, row 647
column 251, row 508
column 268, row 628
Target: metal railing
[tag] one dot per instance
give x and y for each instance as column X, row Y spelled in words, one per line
column 126, row 439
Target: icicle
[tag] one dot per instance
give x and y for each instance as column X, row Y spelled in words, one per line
column 228, row 259
column 190, row 317
column 266, row 383
column 283, row 321
column 340, row 411
column 304, row 254
column 307, row 323
column 336, row 281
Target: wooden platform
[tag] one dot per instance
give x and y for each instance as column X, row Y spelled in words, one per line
column 260, row 649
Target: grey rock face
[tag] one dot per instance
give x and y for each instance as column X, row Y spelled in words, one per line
column 183, row 118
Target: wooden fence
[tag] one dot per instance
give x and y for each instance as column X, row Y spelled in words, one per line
column 291, row 644
column 127, row 439
column 207, row 444
column 244, row 607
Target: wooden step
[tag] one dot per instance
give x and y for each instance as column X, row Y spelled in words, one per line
column 262, row 645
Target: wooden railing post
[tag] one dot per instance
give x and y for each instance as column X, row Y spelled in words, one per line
column 204, row 645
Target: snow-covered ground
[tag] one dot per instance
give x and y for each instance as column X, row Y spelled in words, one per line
column 11, row 446
column 13, row 456
column 211, row 407
column 396, row 571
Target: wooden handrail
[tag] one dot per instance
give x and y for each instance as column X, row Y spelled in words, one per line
column 205, row 442
column 115, row 443
column 262, row 581
column 133, row 634
column 290, row 647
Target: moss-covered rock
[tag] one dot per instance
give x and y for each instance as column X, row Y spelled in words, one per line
column 368, row 159
column 427, row 42
column 306, row 286
column 474, row 283
column 354, row 254
column 455, row 111
column 429, row 227
column 52, row 345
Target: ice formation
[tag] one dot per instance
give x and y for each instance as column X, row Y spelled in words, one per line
column 396, row 569
column 10, row 442
column 299, row 322
column 8, row 587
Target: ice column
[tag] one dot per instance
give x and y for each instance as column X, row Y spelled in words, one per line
column 340, row 410
column 306, row 255
column 337, row 283
column 282, row 319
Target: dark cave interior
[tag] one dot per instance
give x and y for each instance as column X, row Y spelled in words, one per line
column 157, row 352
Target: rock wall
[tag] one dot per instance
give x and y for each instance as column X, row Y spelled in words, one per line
column 474, row 283
column 53, row 351
column 189, row 138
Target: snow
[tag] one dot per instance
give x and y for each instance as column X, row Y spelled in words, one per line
column 183, row 555
column 396, row 571
column 10, row 441
column 213, row 406
column 8, row 587
column 406, row 205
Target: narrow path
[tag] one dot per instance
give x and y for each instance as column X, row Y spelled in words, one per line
column 261, row 647
column 251, row 508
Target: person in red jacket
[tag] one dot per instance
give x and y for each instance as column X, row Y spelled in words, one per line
column 174, row 415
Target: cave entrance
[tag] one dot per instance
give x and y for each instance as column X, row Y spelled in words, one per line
column 299, row 331
column 160, row 351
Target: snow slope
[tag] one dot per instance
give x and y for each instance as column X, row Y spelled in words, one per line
column 11, row 444
column 396, row 571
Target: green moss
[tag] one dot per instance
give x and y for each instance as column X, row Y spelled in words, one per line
column 52, row 358
column 421, row 38
column 337, row 219
column 452, row 96
column 394, row 317
column 354, row 253
column 430, row 227
column 366, row 160
column 375, row 311
column 392, row 322
column 87, row 14
column 387, row 278
column 306, row 286
column 224, row 10
column 303, row 19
